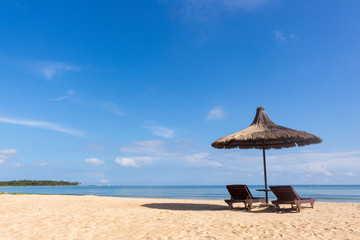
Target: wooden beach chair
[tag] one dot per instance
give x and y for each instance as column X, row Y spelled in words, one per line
column 242, row 194
column 287, row 195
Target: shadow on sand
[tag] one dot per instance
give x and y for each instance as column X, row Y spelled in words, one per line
column 186, row 206
column 206, row 207
column 214, row 207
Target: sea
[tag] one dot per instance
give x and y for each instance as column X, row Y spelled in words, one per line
column 322, row 193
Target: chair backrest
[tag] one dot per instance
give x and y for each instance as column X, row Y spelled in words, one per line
column 239, row 192
column 285, row 193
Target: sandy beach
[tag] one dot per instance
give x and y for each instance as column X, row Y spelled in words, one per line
column 92, row 217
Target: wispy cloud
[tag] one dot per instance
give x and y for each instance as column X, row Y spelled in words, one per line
column 161, row 131
column 143, row 152
column 6, row 154
column 312, row 164
column 17, row 165
column 292, row 168
column 3, row 158
column 43, row 125
column 112, row 107
column 67, row 95
column 202, row 159
column 171, row 150
column 41, row 164
column 293, row 36
column 280, row 36
column 94, row 161
column 243, row 4
column 154, row 147
column 9, row 151
column 44, row 69
column 94, row 147
column 50, row 69
column 104, row 181
column 216, row 113
column 204, row 11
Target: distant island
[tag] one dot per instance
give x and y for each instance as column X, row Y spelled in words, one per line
column 22, row 183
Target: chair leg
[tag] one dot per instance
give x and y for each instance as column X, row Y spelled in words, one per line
column 312, row 204
column 230, row 205
column 277, row 206
column 246, row 205
column 298, row 207
column 249, row 203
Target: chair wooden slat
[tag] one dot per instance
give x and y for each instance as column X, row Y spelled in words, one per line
column 241, row 193
column 287, row 195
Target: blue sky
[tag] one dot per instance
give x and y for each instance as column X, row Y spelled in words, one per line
column 135, row 92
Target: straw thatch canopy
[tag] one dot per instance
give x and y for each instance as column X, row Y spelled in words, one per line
column 264, row 134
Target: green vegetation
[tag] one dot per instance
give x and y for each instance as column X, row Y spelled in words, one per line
column 37, row 183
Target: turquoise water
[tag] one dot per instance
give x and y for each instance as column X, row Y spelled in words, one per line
column 323, row 193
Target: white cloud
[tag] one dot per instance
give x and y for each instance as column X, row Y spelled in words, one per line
column 49, row 69
column 45, row 69
column 216, row 113
column 43, row 125
column 4, row 157
column 9, row 151
column 243, row 4
column 133, row 161
column 162, row 131
column 296, row 167
column 209, row 6
column 145, row 152
column 95, row 147
column 103, row 181
column 94, row 161
column 6, row 154
column 324, row 163
column 41, row 164
column 201, row 159
column 205, row 11
column 280, row 36
column 126, row 162
column 156, row 150
column 112, row 107
column 156, row 147
column 68, row 94
column 17, row 165
column 293, row 36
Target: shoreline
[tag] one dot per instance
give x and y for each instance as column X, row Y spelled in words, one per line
column 128, row 197
column 145, row 198
column 36, row 216
column 328, row 193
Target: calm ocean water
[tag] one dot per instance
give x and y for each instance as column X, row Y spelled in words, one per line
column 323, row 193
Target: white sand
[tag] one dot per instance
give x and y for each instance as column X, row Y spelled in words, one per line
column 41, row 217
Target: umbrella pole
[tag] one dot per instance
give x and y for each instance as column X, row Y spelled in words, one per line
column 266, row 188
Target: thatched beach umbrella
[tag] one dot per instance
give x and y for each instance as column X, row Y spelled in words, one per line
column 264, row 134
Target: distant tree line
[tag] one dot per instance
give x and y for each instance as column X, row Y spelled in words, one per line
column 37, row 183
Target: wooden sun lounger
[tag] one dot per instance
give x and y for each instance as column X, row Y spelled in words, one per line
column 242, row 194
column 287, row 195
